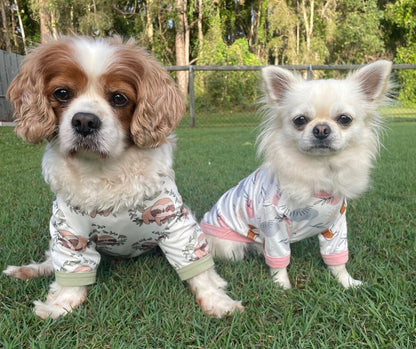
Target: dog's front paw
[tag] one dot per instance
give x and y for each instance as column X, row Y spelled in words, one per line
column 348, row 282
column 343, row 277
column 60, row 301
column 45, row 310
column 218, row 304
column 210, row 295
column 281, row 277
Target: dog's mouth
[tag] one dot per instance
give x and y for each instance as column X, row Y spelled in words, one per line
column 321, row 148
column 89, row 145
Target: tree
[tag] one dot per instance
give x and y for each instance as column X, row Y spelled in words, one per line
column 5, row 26
column 180, row 45
column 402, row 14
column 358, row 36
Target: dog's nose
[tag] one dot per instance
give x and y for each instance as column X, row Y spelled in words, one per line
column 85, row 123
column 321, row 131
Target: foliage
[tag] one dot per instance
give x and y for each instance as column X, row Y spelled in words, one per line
column 407, row 78
column 357, row 35
column 259, row 31
column 403, row 15
column 223, row 90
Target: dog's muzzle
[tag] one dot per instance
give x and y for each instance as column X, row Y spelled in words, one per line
column 85, row 124
column 321, row 131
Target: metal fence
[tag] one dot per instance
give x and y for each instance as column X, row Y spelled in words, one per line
column 217, row 95
column 228, row 95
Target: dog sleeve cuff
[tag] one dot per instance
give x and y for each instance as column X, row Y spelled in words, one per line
column 336, row 258
column 75, row 279
column 277, row 262
column 195, row 268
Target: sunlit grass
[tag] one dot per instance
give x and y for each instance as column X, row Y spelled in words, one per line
column 141, row 303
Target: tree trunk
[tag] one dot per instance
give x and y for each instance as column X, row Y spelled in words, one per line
column 45, row 22
column 5, row 26
column 180, row 46
column 13, row 24
column 22, row 28
column 308, row 24
column 200, row 32
column 149, row 22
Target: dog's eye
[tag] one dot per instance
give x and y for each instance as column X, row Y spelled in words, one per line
column 118, row 100
column 300, row 121
column 62, row 95
column 344, row 120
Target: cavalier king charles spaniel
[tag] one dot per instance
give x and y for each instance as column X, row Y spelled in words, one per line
column 107, row 109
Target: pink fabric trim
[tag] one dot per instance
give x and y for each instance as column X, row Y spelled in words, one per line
column 336, row 258
column 223, row 233
column 277, row 262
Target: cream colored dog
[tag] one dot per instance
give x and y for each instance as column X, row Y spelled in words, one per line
column 319, row 140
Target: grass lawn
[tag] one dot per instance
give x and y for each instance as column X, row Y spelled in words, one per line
column 141, row 303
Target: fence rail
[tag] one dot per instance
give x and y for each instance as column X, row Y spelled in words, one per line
column 309, row 70
column 214, row 97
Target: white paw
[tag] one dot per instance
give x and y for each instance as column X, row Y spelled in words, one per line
column 210, row 295
column 281, row 277
column 44, row 310
column 349, row 282
column 218, row 304
column 343, row 277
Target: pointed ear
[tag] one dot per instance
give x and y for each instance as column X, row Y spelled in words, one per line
column 35, row 118
column 160, row 107
column 277, row 81
column 373, row 80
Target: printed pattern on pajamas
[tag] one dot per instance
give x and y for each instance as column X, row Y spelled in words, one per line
column 78, row 237
column 256, row 211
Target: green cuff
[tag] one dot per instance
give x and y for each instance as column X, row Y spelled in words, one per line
column 195, row 268
column 75, row 279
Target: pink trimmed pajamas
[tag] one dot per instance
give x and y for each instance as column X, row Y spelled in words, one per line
column 256, row 211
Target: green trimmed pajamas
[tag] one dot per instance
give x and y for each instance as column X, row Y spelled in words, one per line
column 78, row 237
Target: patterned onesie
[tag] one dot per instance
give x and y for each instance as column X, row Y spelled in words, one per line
column 256, row 211
column 79, row 237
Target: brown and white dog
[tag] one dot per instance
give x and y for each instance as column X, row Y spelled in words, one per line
column 106, row 108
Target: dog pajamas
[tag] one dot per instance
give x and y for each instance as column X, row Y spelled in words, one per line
column 161, row 220
column 256, row 211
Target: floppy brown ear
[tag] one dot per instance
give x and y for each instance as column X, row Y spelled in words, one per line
column 35, row 119
column 160, row 106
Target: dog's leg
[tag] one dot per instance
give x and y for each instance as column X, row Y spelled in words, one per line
column 281, row 277
column 32, row 270
column 226, row 249
column 343, row 277
column 208, row 288
column 60, row 300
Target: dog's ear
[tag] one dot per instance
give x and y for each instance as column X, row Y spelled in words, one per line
column 277, row 81
column 35, row 118
column 373, row 80
column 160, row 106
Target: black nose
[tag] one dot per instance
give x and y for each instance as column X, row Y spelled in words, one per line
column 85, row 123
column 321, row 131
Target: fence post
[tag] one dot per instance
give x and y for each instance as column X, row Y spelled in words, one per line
column 191, row 97
column 309, row 72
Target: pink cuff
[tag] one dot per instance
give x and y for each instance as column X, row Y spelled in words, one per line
column 223, row 233
column 277, row 262
column 336, row 258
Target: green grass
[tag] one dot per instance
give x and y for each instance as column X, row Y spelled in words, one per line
column 141, row 303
